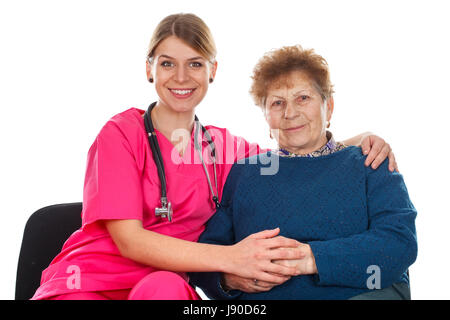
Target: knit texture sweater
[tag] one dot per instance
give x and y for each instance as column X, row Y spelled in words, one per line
column 355, row 219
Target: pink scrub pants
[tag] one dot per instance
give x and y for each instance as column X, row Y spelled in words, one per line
column 159, row 285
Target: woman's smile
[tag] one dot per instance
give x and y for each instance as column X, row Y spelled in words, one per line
column 182, row 93
column 295, row 128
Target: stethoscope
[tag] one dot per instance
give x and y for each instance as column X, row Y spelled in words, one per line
column 165, row 211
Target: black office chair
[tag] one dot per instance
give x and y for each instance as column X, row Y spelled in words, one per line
column 45, row 233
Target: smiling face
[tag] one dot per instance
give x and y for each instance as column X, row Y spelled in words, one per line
column 296, row 114
column 181, row 75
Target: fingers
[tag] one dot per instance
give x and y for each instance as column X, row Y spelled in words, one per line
column 286, row 254
column 249, row 285
column 262, row 286
column 377, row 150
column 252, row 286
column 287, row 263
column 265, row 284
column 265, row 234
column 280, row 241
column 269, row 277
column 392, row 162
column 376, row 147
column 382, row 155
column 279, row 271
column 271, row 240
column 366, row 145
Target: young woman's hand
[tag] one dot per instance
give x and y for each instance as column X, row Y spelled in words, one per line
column 252, row 258
column 377, row 150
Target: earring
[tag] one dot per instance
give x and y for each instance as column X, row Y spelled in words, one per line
column 211, row 80
column 270, row 134
column 150, row 80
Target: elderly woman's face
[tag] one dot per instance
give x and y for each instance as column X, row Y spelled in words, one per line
column 296, row 113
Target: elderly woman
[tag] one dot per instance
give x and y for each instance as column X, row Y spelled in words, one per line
column 355, row 225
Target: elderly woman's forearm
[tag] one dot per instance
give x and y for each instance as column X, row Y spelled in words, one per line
column 390, row 242
column 346, row 261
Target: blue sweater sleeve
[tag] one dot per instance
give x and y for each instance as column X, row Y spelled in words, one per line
column 389, row 244
column 219, row 230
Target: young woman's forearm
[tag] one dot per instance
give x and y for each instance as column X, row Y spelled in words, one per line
column 252, row 257
column 165, row 252
column 168, row 253
column 356, row 140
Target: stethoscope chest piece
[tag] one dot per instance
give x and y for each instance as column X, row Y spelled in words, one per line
column 165, row 211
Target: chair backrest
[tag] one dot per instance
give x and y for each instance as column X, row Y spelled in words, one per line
column 45, row 233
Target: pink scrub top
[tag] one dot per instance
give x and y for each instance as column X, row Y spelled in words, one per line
column 122, row 182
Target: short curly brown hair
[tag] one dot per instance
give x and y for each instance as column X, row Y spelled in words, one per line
column 277, row 64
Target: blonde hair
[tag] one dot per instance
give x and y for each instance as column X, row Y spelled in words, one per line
column 189, row 28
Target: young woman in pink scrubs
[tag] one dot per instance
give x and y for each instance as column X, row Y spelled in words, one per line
column 123, row 250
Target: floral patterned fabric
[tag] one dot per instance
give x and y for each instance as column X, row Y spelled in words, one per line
column 330, row 147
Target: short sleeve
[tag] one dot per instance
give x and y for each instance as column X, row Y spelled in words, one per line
column 112, row 187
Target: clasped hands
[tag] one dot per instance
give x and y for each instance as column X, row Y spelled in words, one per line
column 270, row 260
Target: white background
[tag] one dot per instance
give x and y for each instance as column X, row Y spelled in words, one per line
column 66, row 67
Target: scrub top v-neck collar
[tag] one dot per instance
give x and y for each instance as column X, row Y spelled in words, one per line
column 189, row 163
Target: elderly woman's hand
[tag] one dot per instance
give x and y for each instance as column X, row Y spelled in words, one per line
column 253, row 257
column 306, row 265
column 233, row 282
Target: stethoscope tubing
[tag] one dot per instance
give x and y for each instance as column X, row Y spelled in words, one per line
column 157, row 157
column 156, row 151
column 213, row 157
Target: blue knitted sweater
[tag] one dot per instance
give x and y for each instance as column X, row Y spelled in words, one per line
column 352, row 216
